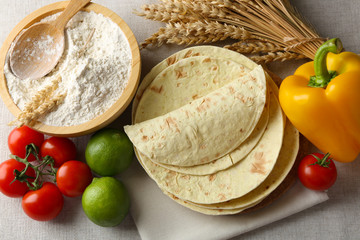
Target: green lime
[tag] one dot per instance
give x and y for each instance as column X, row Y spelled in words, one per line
column 106, row 201
column 109, row 152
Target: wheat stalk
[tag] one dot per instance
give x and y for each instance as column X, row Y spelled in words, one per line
column 42, row 102
column 254, row 47
column 259, row 26
column 277, row 56
column 30, row 118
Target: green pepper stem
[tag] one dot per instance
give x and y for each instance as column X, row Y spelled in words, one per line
column 322, row 75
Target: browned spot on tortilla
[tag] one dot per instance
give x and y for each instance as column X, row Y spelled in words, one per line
column 253, row 78
column 192, row 63
column 188, row 54
column 180, row 73
column 215, row 81
column 164, row 74
column 157, row 90
column 171, row 173
column 175, row 197
column 186, row 177
column 207, row 193
column 241, row 130
column 198, row 72
column 152, row 137
column 244, row 80
column 142, row 130
column 217, row 155
column 205, row 104
column 231, row 89
column 195, row 96
column 169, row 121
column 206, row 60
column 240, row 97
column 227, row 62
column 222, row 197
column 250, row 99
column 205, row 84
column 163, row 137
column 178, row 84
column 204, row 159
column 171, row 60
column 212, row 177
column 214, row 68
column 220, row 210
column 196, row 54
column 203, row 146
column 258, row 165
column 145, row 138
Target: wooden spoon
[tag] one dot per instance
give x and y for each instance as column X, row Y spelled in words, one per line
column 38, row 49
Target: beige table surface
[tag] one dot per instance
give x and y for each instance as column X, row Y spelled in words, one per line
column 338, row 218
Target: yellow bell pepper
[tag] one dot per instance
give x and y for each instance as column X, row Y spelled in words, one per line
column 322, row 100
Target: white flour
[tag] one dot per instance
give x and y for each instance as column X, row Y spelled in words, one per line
column 93, row 79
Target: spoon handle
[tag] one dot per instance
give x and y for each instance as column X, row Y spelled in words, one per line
column 72, row 8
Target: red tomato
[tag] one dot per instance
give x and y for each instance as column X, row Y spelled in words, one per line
column 317, row 176
column 60, row 149
column 43, row 204
column 22, row 136
column 17, row 188
column 73, row 177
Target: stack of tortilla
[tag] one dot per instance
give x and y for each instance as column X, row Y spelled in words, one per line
column 209, row 130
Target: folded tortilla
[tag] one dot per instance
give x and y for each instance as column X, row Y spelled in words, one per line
column 207, row 128
column 231, row 183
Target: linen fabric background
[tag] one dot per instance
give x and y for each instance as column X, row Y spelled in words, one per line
column 158, row 217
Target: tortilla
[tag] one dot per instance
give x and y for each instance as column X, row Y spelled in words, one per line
column 231, row 183
column 208, row 127
column 213, row 51
column 206, row 210
column 233, row 157
column 286, row 160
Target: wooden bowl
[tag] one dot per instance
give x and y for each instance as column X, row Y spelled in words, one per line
column 100, row 121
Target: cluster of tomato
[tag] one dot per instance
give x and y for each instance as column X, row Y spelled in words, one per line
column 46, row 201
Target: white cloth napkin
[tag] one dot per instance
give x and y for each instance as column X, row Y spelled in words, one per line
column 158, row 217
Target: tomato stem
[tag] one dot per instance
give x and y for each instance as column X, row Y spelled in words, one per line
column 41, row 169
column 324, row 162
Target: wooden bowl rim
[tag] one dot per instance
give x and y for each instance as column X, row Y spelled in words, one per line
column 99, row 121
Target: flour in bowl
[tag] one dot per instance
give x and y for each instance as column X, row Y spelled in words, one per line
column 92, row 77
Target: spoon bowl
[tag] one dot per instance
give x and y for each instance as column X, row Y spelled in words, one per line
column 38, row 49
